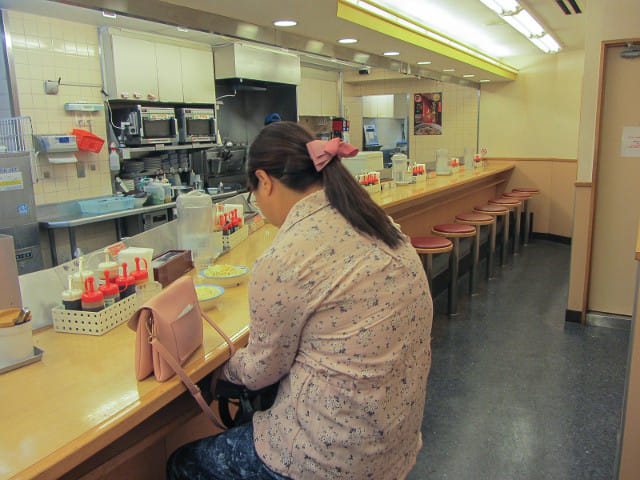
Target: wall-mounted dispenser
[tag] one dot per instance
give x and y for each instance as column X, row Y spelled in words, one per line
column 57, row 148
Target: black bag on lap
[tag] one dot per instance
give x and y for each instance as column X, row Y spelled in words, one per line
column 247, row 401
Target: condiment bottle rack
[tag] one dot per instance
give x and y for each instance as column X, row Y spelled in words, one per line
column 94, row 323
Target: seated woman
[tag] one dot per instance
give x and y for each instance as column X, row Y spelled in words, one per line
column 340, row 316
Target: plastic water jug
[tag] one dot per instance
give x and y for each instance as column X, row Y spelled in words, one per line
column 195, row 226
column 399, row 167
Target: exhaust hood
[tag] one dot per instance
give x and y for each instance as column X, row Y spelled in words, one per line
column 239, row 60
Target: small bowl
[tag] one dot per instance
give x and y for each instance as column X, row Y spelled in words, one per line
column 235, row 276
column 207, row 294
column 139, row 201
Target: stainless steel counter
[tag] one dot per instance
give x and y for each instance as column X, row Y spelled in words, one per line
column 68, row 215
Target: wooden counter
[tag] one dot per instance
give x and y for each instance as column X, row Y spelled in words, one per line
column 417, row 207
column 80, row 405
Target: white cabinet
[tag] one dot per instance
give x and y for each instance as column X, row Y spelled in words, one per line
column 169, row 72
column 377, row 106
column 146, row 70
column 134, row 65
column 318, row 97
column 198, row 81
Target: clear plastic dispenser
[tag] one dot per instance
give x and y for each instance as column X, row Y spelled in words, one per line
column 108, row 265
column 195, row 226
column 72, row 298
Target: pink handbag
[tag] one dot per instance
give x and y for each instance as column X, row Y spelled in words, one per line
column 168, row 330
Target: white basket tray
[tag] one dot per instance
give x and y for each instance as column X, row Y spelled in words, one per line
column 230, row 241
column 94, row 323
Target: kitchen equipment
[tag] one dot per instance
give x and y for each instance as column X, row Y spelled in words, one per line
column 224, row 165
column 364, row 162
column 57, row 148
column 143, row 125
column 18, row 212
column 195, row 226
column 196, row 125
column 371, row 138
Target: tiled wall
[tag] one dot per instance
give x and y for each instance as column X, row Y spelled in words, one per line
column 459, row 114
column 48, row 49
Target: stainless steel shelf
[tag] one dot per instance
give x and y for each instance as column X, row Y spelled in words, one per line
column 160, row 147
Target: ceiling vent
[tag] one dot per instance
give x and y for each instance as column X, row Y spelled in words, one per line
column 565, row 9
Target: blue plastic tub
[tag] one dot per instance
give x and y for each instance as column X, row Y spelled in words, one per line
column 100, row 206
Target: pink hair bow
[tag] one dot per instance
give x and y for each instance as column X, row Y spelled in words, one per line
column 322, row 152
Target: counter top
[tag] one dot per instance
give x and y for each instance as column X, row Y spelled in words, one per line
column 83, row 394
column 85, row 391
column 75, row 220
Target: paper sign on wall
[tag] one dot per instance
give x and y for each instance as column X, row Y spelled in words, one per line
column 631, row 142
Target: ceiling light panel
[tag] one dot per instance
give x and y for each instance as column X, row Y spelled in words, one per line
column 348, row 40
column 285, row 23
column 437, row 17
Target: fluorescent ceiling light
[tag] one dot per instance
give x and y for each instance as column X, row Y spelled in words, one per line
column 285, row 23
column 448, row 69
column 424, row 63
column 468, row 75
column 519, row 18
column 502, row 6
column 108, row 14
column 347, row 40
column 485, row 81
column 391, row 54
column 182, row 29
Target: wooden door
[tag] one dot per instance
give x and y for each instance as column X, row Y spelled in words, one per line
column 617, row 209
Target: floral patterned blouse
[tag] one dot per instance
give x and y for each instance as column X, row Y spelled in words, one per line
column 344, row 322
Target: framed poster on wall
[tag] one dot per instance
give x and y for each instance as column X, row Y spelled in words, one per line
column 427, row 113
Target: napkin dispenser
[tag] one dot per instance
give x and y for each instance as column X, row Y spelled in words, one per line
column 57, row 148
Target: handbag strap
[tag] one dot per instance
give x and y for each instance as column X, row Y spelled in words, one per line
column 232, row 347
column 192, row 387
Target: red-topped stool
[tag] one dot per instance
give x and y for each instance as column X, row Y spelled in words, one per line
column 454, row 232
column 478, row 220
column 496, row 211
column 524, row 198
column 515, row 205
column 527, row 217
column 426, row 247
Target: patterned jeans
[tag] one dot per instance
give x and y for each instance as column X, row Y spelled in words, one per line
column 230, row 455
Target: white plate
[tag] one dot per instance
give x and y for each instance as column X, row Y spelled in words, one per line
column 207, row 294
column 228, row 280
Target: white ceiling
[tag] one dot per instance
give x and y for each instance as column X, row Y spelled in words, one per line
column 320, row 28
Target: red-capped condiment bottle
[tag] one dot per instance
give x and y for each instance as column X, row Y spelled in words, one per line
column 92, row 300
column 140, row 276
column 109, row 290
column 126, row 283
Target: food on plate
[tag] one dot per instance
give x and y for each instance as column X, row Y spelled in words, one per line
column 208, row 292
column 224, row 271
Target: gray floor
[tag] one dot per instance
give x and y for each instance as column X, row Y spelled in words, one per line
column 515, row 392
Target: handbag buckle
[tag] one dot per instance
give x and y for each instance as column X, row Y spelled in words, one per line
column 149, row 326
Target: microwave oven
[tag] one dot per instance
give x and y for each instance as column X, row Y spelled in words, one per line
column 149, row 125
column 196, row 125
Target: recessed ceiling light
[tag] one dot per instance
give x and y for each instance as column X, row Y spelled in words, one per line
column 391, row 54
column 108, row 14
column 285, row 23
column 348, row 40
column 424, row 63
column 448, row 69
column 182, row 29
column 468, row 75
column 484, row 81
